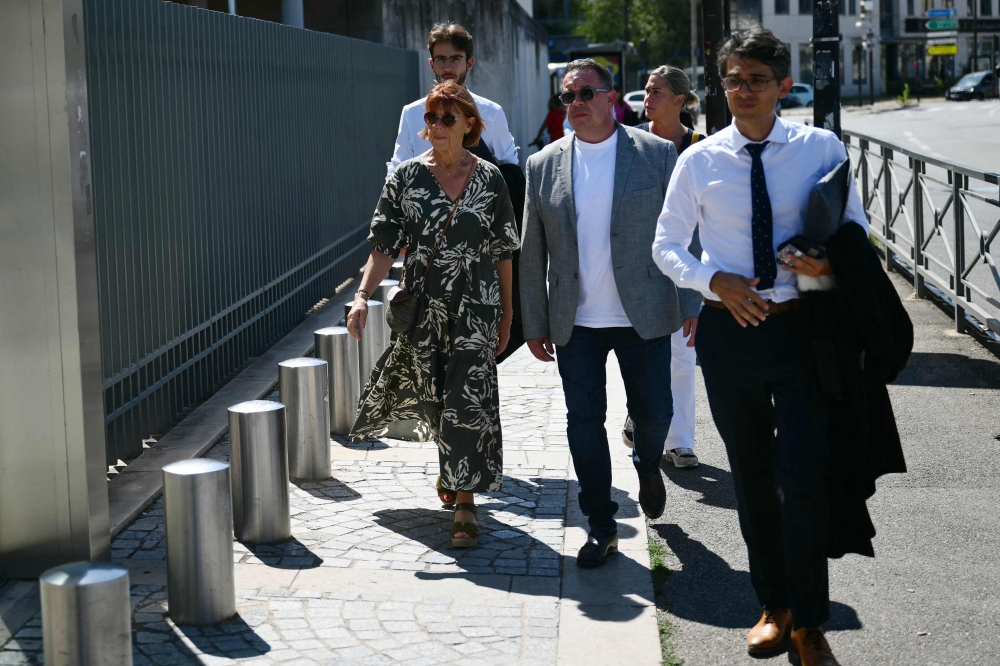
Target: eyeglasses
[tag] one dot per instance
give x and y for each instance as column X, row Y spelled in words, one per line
column 753, row 84
column 432, row 119
column 586, row 94
column 454, row 60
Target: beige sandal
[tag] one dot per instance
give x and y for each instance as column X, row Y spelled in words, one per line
column 469, row 529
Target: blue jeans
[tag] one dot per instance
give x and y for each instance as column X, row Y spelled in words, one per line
column 645, row 368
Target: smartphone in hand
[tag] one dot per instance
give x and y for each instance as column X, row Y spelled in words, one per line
column 798, row 246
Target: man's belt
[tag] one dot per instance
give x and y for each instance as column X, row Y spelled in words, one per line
column 773, row 308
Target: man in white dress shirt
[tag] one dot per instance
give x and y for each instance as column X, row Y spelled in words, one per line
column 451, row 59
column 746, row 189
column 450, row 46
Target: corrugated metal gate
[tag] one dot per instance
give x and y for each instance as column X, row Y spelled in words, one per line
column 236, row 166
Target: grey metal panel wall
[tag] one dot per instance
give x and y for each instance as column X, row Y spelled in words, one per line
column 236, row 166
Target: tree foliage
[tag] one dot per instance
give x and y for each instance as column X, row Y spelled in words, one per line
column 665, row 24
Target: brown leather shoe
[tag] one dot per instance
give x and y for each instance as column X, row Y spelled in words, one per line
column 768, row 635
column 812, row 648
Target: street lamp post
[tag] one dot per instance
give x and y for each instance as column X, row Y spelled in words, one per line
column 826, row 65
column 870, row 45
column 714, row 28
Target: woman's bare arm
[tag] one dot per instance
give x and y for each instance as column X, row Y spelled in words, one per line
column 375, row 271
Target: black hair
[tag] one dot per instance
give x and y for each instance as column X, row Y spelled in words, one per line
column 588, row 63
column 758, row 44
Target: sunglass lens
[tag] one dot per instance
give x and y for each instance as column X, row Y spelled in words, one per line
column 430, row 118
column 587, row 94
column 448, row 120
column 567, row 98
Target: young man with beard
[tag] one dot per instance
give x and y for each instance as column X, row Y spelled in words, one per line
column 746, row 189
column 450, row 46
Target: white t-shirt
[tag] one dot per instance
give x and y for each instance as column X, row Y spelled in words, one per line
column 593, row 193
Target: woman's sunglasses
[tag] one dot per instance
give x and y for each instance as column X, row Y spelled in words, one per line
column 432, row 118
column 586, row 94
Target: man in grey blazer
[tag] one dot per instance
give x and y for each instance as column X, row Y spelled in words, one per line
column 590, row 214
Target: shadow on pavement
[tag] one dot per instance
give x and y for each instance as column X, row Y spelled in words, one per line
column 708, row 591
column 949, row 371
column 232, row 639
column 714, row 483
column 288, row 554
column 617, row 592
column 329, row 489
column 502, row 549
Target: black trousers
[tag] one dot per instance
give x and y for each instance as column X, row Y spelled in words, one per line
column 766, row 405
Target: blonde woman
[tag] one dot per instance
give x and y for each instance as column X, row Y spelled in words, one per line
column 668, row 92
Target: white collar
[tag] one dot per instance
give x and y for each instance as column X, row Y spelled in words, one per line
column 778, row 134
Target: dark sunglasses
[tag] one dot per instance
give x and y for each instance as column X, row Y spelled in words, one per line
column 586, row 94
column 432, row 118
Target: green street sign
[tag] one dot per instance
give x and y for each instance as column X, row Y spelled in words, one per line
column 942, row 24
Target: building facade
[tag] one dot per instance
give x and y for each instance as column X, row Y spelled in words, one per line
column 977, row 20
column 792, row 21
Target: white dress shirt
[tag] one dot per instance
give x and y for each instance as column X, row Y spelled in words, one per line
column 411, row 122
column 599, row 306
column 710, row 188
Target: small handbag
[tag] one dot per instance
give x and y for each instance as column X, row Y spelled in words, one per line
column 405, row 309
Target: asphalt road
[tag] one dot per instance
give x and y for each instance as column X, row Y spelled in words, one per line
column 930, row 596
column 963, row 132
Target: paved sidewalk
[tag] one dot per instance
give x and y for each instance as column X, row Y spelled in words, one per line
column 370, row 577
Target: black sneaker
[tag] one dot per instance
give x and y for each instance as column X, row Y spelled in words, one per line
column 627, row 437
column 652, row 494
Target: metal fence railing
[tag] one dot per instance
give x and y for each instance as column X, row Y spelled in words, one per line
column 937, row 219
column 236, row 165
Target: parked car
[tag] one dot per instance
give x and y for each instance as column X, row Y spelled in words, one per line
column 635, row 99
column 977, row 85
column 801, row 93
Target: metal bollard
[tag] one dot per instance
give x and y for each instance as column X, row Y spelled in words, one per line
column 336, row 346
column 259, row 472
column 198, row 519
column 86, row 617
column 303, row 386
column 373, row 339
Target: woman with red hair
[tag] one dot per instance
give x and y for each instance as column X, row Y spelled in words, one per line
column 452, row 213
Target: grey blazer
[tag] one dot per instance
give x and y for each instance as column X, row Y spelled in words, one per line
column 654, row 306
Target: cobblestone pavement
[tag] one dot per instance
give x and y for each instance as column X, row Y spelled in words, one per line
column 382, row 512
column 295, row 628
column 386, row 515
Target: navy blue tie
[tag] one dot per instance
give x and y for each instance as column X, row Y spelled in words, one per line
column 762, row 223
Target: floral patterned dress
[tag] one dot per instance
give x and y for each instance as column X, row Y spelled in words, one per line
column 446, row 377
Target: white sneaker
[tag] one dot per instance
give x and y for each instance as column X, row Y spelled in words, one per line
column 682, row 457
column 627, row 438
